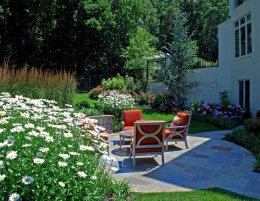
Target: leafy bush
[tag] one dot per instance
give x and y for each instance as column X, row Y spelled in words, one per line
column 91, row 111
column 112, row 102
column 95, row 92
column 249, row 141
column 164, row 102
column 49, row 153
column 115, row 83
column 252, row 126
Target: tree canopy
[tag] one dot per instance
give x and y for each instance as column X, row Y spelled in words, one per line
column 89, row 36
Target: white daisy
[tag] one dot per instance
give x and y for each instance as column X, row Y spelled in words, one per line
column 93, row 177
column 26, row 145
column 80, row 163
column 62, row 164
column 14, row 197
column 29, row 125
column 84, row 148
column 27, row 180
column 11, row 155
column 62, row 184
column 44, row 149
column 9, row 142
column 2, row 177
column 38, row 161
column 49, row 139
column 64, row 156
column 82, row 174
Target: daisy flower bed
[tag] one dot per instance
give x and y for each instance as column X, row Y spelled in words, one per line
column 50, row 153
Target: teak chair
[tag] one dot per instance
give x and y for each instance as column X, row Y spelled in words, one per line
column 130, row 117
column 178, row 132
column 148, row 138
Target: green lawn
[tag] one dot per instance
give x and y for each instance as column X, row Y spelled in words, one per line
column 199, row 195
column 78, row 97
column 195, row 127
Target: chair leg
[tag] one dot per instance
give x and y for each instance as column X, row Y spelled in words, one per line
column 133, row 160
column 186, row 143
column 120, row 142
column 166, row 147
column 162, row 158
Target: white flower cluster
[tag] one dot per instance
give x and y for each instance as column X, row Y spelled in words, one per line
column 38, row 138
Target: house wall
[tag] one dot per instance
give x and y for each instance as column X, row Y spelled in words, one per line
column 208, row 82
column 245, row 67
column 231, row 70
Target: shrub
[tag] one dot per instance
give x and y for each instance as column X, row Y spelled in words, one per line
column 112, row 102
column 143, row 98
column 252, row 126
column 49, row 153
column 224, row 99
column 258, row 114
column 247, row 140
column 164, row 102
column 115, row 83
column 95, row 92
column 38, row 83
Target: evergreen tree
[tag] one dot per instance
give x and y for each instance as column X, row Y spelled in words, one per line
column 182, row 52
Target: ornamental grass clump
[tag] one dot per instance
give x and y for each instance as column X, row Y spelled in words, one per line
column 49, row 153
column 38, row 83
column 113, row 102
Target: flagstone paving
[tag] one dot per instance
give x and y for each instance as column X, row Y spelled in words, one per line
column 209, row 162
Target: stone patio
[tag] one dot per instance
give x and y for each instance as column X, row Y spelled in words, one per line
column 209, row 162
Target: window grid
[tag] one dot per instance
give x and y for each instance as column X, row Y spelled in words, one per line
column 243, row 41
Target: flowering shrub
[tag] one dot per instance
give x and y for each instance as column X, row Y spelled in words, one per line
column 112, row 102
column 94, row 93
column 164, row 102
column 230, row 111
column 224, row 117
column 49, row 153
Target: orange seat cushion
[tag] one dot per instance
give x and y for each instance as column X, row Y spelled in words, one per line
column 131, row 116
column 127, row 128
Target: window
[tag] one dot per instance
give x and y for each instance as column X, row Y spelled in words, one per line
column 239, row 2
column 243, row 36
column 244, row 94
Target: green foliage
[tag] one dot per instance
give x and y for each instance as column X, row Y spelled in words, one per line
column 115, row 83
column 253, row 126
column 248, row 140
column 224, row 98
column 203, row 20
column 182, row 52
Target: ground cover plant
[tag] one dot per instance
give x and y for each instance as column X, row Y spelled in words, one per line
column 38, row 83
column 200, row 195
column 49, row 153
column 248, row 138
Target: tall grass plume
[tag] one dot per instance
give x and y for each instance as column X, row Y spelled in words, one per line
column 38, row 83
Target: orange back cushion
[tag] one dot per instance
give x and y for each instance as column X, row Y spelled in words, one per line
column 184, row 118
column 130, row 116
